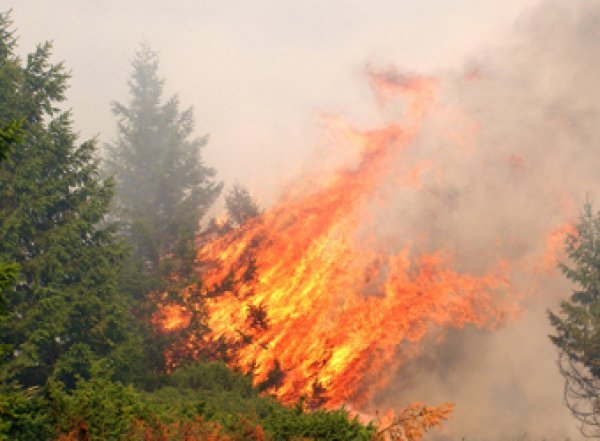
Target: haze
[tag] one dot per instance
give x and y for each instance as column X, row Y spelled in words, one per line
column 256, row 73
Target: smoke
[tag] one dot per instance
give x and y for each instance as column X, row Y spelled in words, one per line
column 509, row 156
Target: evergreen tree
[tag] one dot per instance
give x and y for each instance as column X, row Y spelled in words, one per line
column 64, row 328
column 578, row 324
column 64, row 310
column 163, row 188
column 240, row 206
column 9, row 136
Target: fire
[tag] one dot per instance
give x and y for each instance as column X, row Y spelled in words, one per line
column 302, row 300
column 172, row 317
column 554, row 245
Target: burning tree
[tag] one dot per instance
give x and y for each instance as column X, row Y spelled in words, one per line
column 413, row 422
column 578, row 324
column 240, row 206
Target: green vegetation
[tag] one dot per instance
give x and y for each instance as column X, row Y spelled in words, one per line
column 578, row 323
column 64, row 310
column 209, row 393
column 163, row 188
column 9, row 136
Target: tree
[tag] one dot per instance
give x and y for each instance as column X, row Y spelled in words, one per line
column 64, row 310
column 240, row 206
column 578, row 324
column 97, row 409
column 65, row 326
column 9, row 136
column 163, row 188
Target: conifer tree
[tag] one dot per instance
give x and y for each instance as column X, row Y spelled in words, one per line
column 9, row 136
column 163, row 188
column 240, row 206
column 578, row 324
column 64, row 310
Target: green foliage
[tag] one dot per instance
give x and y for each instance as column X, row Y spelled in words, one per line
column 106, row 408
column 210, row 390
column 218, row 394
column 240, row 205
column 52, row 224
column 24, row 414
column 162, row 186
column 67, row 334
column 11, row 134
column 214, row 376
column 163, row 189
column 8, row 278
column 577, row 325
column 334, row 425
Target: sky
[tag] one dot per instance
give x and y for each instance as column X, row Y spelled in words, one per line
column 258, row 74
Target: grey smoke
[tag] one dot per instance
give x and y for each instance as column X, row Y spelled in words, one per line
column 528, row 166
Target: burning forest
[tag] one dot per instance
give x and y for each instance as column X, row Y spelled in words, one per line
column 420, row 258
column 314, row 309
column 320, row 302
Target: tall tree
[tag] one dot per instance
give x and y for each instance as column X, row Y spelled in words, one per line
column 163, row 188
column 64, row 310
column 578, row 324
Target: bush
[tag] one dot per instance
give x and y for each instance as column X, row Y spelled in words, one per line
column 219, row 395
column 24, row 414
column 98, row 408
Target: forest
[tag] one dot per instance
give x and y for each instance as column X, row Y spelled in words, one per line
column 130, row 311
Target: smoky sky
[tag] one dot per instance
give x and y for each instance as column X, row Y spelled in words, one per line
column 256, row 73
column 526, row 110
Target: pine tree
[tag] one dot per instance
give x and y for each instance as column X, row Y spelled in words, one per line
column 9, row 136
column 578, row 324
column 240, row 206
column 163, row 188
column 64, row 310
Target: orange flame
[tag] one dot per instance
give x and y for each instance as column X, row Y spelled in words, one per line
column 172, row 317
column 296, row 297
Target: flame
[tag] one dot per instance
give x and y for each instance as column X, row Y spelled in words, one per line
column 300, row 299
column 554, row 245
column 172, row 317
